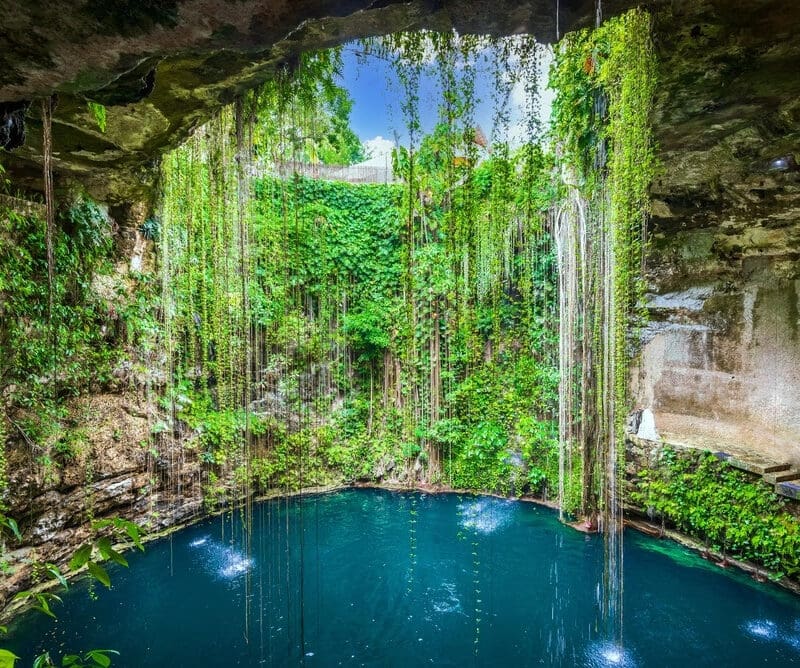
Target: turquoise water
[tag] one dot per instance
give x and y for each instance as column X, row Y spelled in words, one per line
column 373, row 578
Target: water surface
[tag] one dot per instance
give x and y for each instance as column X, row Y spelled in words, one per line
column 373, row 578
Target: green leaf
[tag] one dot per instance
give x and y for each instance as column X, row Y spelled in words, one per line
column 12, row 524
column 56, row 574
column 81, row 556
column 99, row 573
column 43, row 661
column 132, row 529
column 100, row 656
column 44, row 609
column 108, row 552
column 104, row 547
column 7, row 659
column 99, row 113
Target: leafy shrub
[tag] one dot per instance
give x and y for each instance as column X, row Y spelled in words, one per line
column 722, row 506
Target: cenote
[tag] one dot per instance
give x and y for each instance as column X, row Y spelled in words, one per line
column 376, row 578
column 444, row 280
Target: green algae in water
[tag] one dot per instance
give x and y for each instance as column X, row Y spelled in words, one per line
column 689, row 558
column 680, row 555
column 487, row 582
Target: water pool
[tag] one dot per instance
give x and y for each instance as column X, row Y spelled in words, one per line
column 374, row 578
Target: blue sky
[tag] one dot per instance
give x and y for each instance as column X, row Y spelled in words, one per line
column 377, row 96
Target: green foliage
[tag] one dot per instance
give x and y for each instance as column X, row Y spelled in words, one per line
column 95, row 658
column 724, row 507
column 150, row 229
column 76, row 340
column 368, row 304
column 7, row 659
column 329, row 234
column 39, row 601
column 304, row 115
column 9, row 525
column 602, row 137
column 501, row 438
column 100, row 114
column 89, row 555
column 483, row 464
column 219, row 431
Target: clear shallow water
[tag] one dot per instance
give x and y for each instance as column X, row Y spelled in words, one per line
column 392, row 579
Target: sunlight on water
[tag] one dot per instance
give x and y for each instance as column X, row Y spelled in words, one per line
column 235, row 565
column 766, row 630
column 485, row 515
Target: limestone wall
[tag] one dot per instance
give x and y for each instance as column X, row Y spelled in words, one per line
column 720, row 363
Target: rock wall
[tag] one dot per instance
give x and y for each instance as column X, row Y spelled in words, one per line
column 113, row 473
column 720, row 363
column 99, row 458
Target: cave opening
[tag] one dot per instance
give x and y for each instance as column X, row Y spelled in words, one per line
column 451, row 299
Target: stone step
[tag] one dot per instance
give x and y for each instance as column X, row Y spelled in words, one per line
column 788, row 489
column 782, row 476
column 757, row 465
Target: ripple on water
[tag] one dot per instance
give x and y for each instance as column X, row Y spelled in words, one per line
column 444, row 598
column 222, row 560
column 485, row 515
column 763, row 629
column 603, row 654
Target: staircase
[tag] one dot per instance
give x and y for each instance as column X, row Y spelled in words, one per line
column 781, row 475
column 785, row 479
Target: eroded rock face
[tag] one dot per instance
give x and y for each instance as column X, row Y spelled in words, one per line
column 114, row 473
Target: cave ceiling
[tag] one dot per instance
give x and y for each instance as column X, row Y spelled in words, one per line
column 727, row 114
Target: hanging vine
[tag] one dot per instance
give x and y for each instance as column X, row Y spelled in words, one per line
column 604, row 81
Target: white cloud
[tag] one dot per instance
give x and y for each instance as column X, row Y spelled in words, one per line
column 518, row 130
column 378, row 147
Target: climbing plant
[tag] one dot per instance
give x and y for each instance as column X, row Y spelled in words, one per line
column 369, row 307
column 604, row 82
column 602, row 139
column 99, row 113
